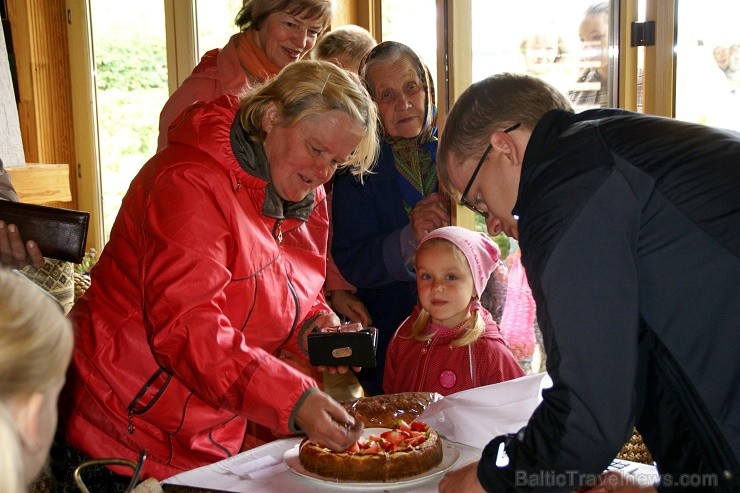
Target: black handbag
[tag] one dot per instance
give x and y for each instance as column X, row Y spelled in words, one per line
column 59, row 233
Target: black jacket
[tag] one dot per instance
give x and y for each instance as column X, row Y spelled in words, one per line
column 629, row 228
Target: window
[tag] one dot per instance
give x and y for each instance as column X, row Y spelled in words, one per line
column 130, row 63
column 215, row 23
column 565, row 43
column 708, row 63
column 413, row 23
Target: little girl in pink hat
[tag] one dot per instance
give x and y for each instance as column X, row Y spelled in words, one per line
column 450, row 342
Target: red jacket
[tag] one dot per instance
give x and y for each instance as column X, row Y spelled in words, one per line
column 434, row 366
column 219, row 72
column 192, row 299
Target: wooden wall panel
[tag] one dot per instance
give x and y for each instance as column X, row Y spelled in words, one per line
column 38, row 28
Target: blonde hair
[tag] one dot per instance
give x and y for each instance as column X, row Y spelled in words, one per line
column 473, row 328
column 35, row 349
column 349, row 40
column 310, row 87
column 254, row 12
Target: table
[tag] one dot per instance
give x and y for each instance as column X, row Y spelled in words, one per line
column 262, row 470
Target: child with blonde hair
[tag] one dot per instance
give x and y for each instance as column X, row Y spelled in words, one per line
column 450, row 342
column 344, row 46
column 35, row 348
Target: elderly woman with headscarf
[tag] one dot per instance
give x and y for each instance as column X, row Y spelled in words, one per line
column 378, row 224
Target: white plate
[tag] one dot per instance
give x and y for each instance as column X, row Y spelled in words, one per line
column 450, row 455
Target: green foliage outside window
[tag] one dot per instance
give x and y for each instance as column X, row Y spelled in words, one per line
column 503, row 241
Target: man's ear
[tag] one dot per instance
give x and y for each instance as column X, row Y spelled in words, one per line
column 27, row 415
column 505, row 147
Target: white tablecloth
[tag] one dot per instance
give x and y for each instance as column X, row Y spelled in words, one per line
column 262, row 470
column 467, row 420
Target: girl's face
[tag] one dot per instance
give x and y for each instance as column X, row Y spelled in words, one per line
column 400, row 96
column 444, row 283
column 285, row 38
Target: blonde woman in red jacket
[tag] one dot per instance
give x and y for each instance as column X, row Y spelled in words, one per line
column 214, row 268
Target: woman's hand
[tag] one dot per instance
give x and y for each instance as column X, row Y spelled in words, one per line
column 347, row 304
column 463, row 479
column 326, row 422
column 328, row 320
column 15, row 253
column 430, row 213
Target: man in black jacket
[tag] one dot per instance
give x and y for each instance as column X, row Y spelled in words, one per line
column 629, row 227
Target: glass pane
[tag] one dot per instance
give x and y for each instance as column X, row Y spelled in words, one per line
column 708, row 62
column 131, row 82
column 215, row 20
column 557, row 41
column 413, row 23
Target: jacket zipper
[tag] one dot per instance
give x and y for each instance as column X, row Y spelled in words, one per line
column 422, row 369
column 277, row 233
column 297, row 311
column 132, row 406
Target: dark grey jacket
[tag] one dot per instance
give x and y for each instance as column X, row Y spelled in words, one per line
column 630, row 235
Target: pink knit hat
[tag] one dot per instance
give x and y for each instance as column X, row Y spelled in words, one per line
column 481, row 252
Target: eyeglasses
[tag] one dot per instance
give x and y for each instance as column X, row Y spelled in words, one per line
column 463, row 199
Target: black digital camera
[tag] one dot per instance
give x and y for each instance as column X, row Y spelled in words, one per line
column 345, row 345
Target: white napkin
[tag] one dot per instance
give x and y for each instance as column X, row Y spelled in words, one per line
column 475, row 416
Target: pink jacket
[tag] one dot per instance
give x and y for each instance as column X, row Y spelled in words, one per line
column 433, row 366
column 218, row 72
column 517, row 321
column 191, row 301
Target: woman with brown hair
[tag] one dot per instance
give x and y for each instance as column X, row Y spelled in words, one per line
column 272, row 34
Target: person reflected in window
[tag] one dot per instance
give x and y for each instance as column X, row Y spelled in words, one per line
column 724, row 112
column 378, row 224
column 591, row 88
column 545, row 55
column 273, row 33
